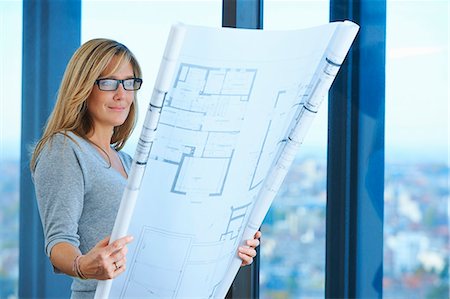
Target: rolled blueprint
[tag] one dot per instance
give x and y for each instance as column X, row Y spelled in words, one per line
column 218, row 162
column 318, row 88
column 145, row 143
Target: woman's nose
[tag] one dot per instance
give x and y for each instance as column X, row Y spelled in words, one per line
column 120, row 91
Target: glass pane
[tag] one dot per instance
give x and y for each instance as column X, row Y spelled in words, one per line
column 10, row 113
column 144, row 28
column 416, row 231
column 293, row 244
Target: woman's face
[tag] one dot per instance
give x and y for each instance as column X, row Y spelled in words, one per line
column 109, row 109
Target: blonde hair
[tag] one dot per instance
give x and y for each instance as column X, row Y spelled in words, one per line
column 70, row 112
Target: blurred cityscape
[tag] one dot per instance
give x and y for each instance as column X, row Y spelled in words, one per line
column 416, row 233
column 9, row 228
column 416, row 242
column 292, row 261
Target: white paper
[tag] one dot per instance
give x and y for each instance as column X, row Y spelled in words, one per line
column 238, row 107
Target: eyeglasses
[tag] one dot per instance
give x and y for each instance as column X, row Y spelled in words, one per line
column 113, row 84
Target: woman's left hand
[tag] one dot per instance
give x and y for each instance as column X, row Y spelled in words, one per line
column 248, row 252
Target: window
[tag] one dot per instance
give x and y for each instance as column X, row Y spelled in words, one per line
column 292, row 261
column 416, row 231
column 10, row 113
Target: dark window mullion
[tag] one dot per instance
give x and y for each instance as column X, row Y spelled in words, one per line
column 355, row 175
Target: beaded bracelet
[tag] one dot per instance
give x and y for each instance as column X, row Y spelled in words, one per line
column 76, row 268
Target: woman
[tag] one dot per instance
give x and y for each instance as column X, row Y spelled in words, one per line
column 79, row 169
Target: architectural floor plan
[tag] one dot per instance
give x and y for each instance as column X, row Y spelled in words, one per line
column 208, row 105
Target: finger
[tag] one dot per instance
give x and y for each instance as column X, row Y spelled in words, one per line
column 119, row 244
column 119, row 270
column 120, row 263
column 118, row 256
column 246, row 260
column 258, row 234
column 113, row 270
column 249, row 251
column 253, row 243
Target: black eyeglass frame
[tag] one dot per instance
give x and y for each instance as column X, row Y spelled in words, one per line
column 119, row 81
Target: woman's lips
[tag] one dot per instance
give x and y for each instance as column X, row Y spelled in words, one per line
column 117, row 108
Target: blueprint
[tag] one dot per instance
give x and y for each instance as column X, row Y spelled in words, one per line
column 228, row 113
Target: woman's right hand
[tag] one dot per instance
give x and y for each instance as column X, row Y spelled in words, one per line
column 105, row 261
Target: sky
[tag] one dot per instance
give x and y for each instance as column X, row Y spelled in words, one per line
column 417, row 78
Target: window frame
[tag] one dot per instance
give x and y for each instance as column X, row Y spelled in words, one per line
column 355, row 174
column 51, row 33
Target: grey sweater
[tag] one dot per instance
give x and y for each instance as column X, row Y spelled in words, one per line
column 78, row 197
